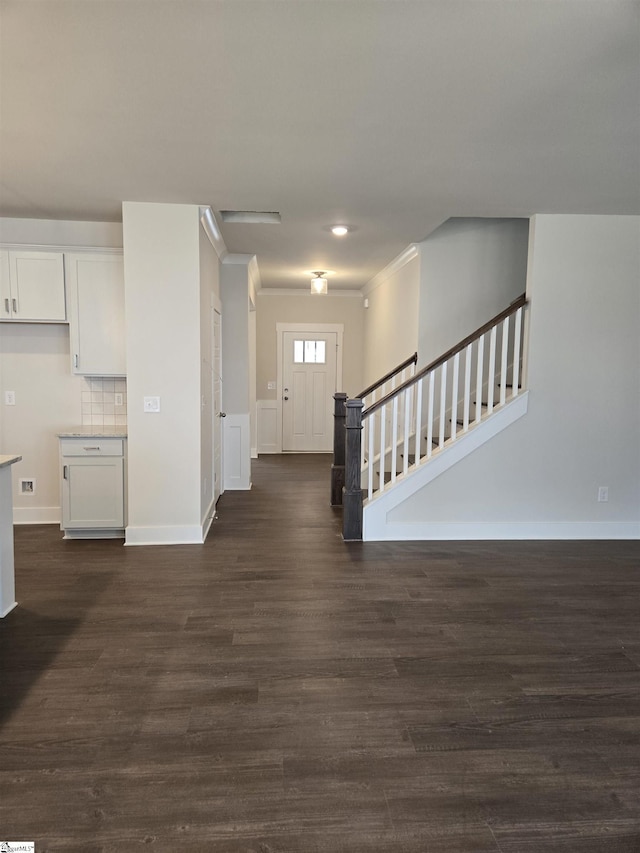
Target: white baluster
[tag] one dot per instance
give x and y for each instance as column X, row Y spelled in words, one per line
column 443, row 403
column 503, row 361
column 430, row 415
column 383, row 429
column 491, row 376
column 479, row 368
column 467, row 387
column 372, row 430
column 515, row 377
column 408, row 400
column 454, row 396
column 418, row 419
column 394, row 438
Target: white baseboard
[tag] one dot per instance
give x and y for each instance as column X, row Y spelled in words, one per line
column 207, row 521
column 8, row 610
column 458, row 531
column 188, row 534
column 37, row 515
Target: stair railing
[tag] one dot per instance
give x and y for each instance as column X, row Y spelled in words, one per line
column 378, row 389
column 431, row 409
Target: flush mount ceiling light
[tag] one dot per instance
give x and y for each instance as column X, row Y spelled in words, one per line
column 252, row 217
column 318, row 284
column 339, row 230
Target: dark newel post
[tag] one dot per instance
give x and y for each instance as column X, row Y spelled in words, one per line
column 337, row 469
column 352, row 495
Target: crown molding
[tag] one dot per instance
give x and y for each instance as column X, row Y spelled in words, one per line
column 212, row 230
column 392, row 268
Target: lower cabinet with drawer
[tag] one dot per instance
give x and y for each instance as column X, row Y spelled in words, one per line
column 93, row 477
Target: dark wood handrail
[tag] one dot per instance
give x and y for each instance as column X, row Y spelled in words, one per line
column 518, row 303
column 411, row 360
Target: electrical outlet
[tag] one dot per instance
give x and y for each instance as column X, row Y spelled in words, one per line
column 27, row 486
column 118, row 399
column 603, row 494
column 152, row 404
column 9, row 398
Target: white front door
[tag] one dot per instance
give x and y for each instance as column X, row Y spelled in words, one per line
column 309, row 375
column 216, row 362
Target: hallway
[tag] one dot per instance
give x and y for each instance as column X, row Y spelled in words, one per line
column 279, row 691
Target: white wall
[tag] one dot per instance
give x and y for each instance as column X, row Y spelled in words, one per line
column 540, row 477
column 391, row 320
column 163, row 303
column 470, row 269
column 302, row 307
column 35, row 363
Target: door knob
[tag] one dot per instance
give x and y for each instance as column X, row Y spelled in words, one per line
column 223, row 414
column 285, row 398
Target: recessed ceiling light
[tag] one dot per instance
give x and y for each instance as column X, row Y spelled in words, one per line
column 339, row 230
column 252, row 217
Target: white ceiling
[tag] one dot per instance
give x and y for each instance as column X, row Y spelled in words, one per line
column 389, row 116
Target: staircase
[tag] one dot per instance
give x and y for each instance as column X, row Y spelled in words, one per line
column 405, row 430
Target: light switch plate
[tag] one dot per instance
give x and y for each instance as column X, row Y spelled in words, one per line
column 9, row 398
column 271, row 385
column 152, row 404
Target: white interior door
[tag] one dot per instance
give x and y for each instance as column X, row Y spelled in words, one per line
column 216, row 362
column 309, row 375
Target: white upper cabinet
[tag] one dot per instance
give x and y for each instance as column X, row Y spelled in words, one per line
column 32, row 287
column 95, row 284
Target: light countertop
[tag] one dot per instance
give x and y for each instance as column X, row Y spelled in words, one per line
column 94, row 432
column 8, row 460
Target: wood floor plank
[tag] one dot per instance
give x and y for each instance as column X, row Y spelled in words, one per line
column 279, row 691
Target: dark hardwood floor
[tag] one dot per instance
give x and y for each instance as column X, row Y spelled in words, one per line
column 279, row 690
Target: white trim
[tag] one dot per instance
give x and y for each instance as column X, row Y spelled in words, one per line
column 36, row 515
column 265, row 444
column 237, row 451
column 8, row 610
column 375, row 522
column 211, row 228
column 207, row 521
column 238, row 258
column 55, row 247
column 188, row 534
column 505, row 530
column 321, row 328
column 392, row 268
column 298, row 291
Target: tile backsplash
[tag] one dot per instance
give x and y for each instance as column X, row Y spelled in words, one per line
column 99, row 402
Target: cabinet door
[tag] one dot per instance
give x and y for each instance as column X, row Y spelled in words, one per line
column 96, row 314
column 5, row 287
column 92, row 492
column 37, row 286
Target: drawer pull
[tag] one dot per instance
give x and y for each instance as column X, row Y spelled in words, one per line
column 91, row 448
